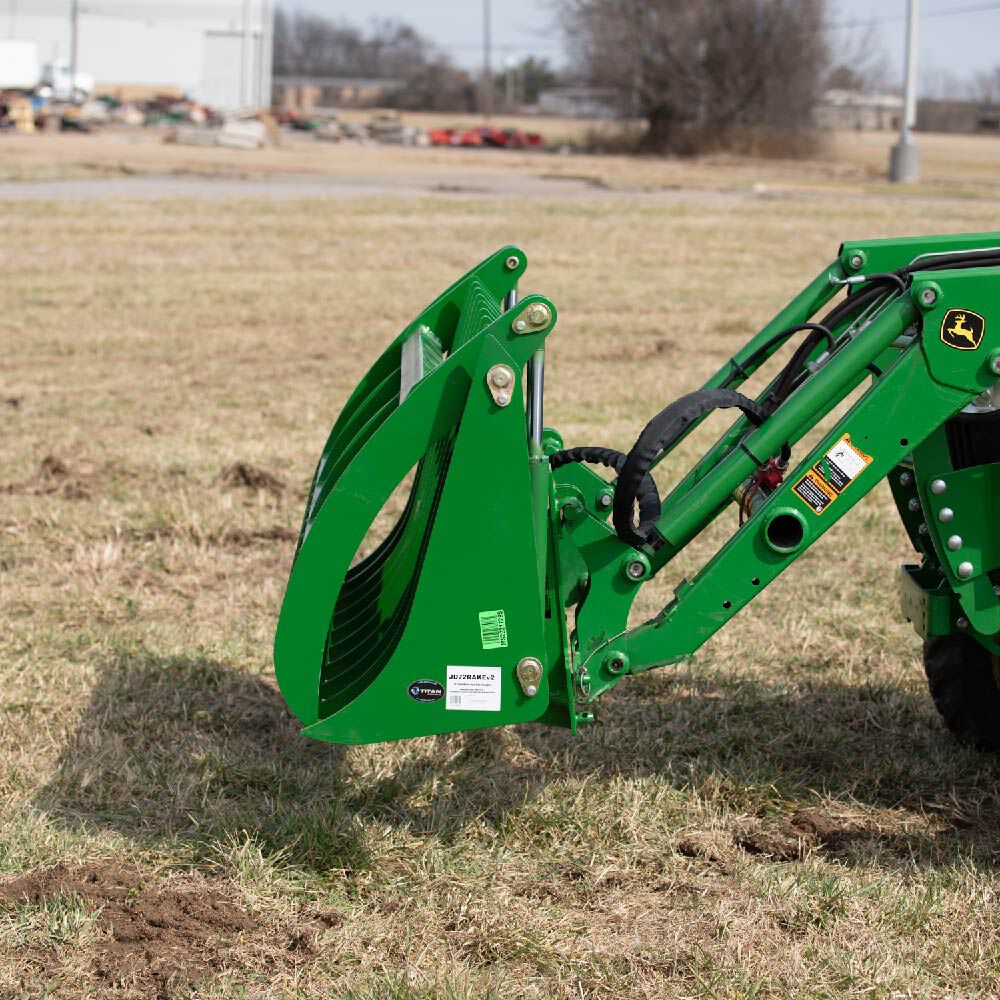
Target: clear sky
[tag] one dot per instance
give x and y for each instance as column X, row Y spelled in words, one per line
column 958, row 37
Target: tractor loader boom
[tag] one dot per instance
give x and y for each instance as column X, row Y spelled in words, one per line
column 502, row 592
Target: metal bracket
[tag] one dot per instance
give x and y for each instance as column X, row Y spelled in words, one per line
column 500, row 382
column 533, row 319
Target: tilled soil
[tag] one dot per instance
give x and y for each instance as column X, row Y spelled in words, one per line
column 154, row 938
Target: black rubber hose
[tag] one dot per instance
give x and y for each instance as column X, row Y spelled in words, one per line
column 965, row 258
column 658, row 435
column 647, row 496
column 739, row 368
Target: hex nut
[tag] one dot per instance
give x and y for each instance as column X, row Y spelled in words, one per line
column 635, row 570
column 529, row 675
column 539, row 314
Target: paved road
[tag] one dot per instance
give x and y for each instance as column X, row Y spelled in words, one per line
column 451, row 184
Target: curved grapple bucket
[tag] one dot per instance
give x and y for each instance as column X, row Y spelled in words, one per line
column 447, row 623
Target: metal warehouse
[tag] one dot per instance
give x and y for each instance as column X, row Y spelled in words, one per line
column 218, row 52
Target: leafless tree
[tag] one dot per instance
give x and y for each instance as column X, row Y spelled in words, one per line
column 859, row 61
column 984, row 87
column 703, row 74
column 310, row 45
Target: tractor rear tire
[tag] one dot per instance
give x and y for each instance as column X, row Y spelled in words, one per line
column 964, row 680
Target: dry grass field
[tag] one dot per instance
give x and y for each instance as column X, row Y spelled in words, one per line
column 784, row 816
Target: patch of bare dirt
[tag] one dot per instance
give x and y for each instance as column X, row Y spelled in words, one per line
column 54, row 476
column 794, row 837
column 244, row 476
column 155, row 939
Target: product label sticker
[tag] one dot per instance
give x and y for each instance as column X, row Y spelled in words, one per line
column 831, row 475
column 473, row 689
column 493, row 629
column 816, row 495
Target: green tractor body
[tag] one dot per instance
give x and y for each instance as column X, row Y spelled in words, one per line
column 459, row 568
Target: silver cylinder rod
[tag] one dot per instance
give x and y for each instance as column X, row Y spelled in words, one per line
column 536, row 393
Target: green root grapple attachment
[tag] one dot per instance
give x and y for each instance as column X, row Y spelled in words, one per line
column 458, row 567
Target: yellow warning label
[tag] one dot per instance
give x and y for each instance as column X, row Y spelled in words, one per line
column 831, row 475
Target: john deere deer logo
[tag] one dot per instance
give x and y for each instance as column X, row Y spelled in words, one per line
column 962, row 329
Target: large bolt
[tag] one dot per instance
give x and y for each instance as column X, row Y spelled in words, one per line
column 616, row 662
column 856, row 261
column 635, row 570
column 945, row 515
column 539, row 315
column 928, row 296
column 938, row 486
column 965, row 570
column 500, row 377
column 955, row 543
column 529, row 675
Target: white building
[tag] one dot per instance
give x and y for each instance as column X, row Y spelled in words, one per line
column 217, row 52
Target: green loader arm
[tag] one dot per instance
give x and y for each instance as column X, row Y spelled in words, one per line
column 458, row 617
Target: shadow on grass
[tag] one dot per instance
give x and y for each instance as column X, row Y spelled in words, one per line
column 191, row 748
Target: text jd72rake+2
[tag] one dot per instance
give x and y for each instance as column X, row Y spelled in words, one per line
column 458, row 618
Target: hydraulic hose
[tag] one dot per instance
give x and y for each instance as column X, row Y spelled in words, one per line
column 658, row 435
column 647, row 495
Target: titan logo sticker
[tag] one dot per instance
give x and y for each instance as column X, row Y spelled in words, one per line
column 425, row 691
column 962, row 329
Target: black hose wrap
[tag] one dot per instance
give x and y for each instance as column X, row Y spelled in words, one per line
column 647, row 495
column 658, row 435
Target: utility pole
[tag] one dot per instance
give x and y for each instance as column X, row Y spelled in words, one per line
column 487, row 64
column 246, row 58
column 904, row 160
column 74, row 39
